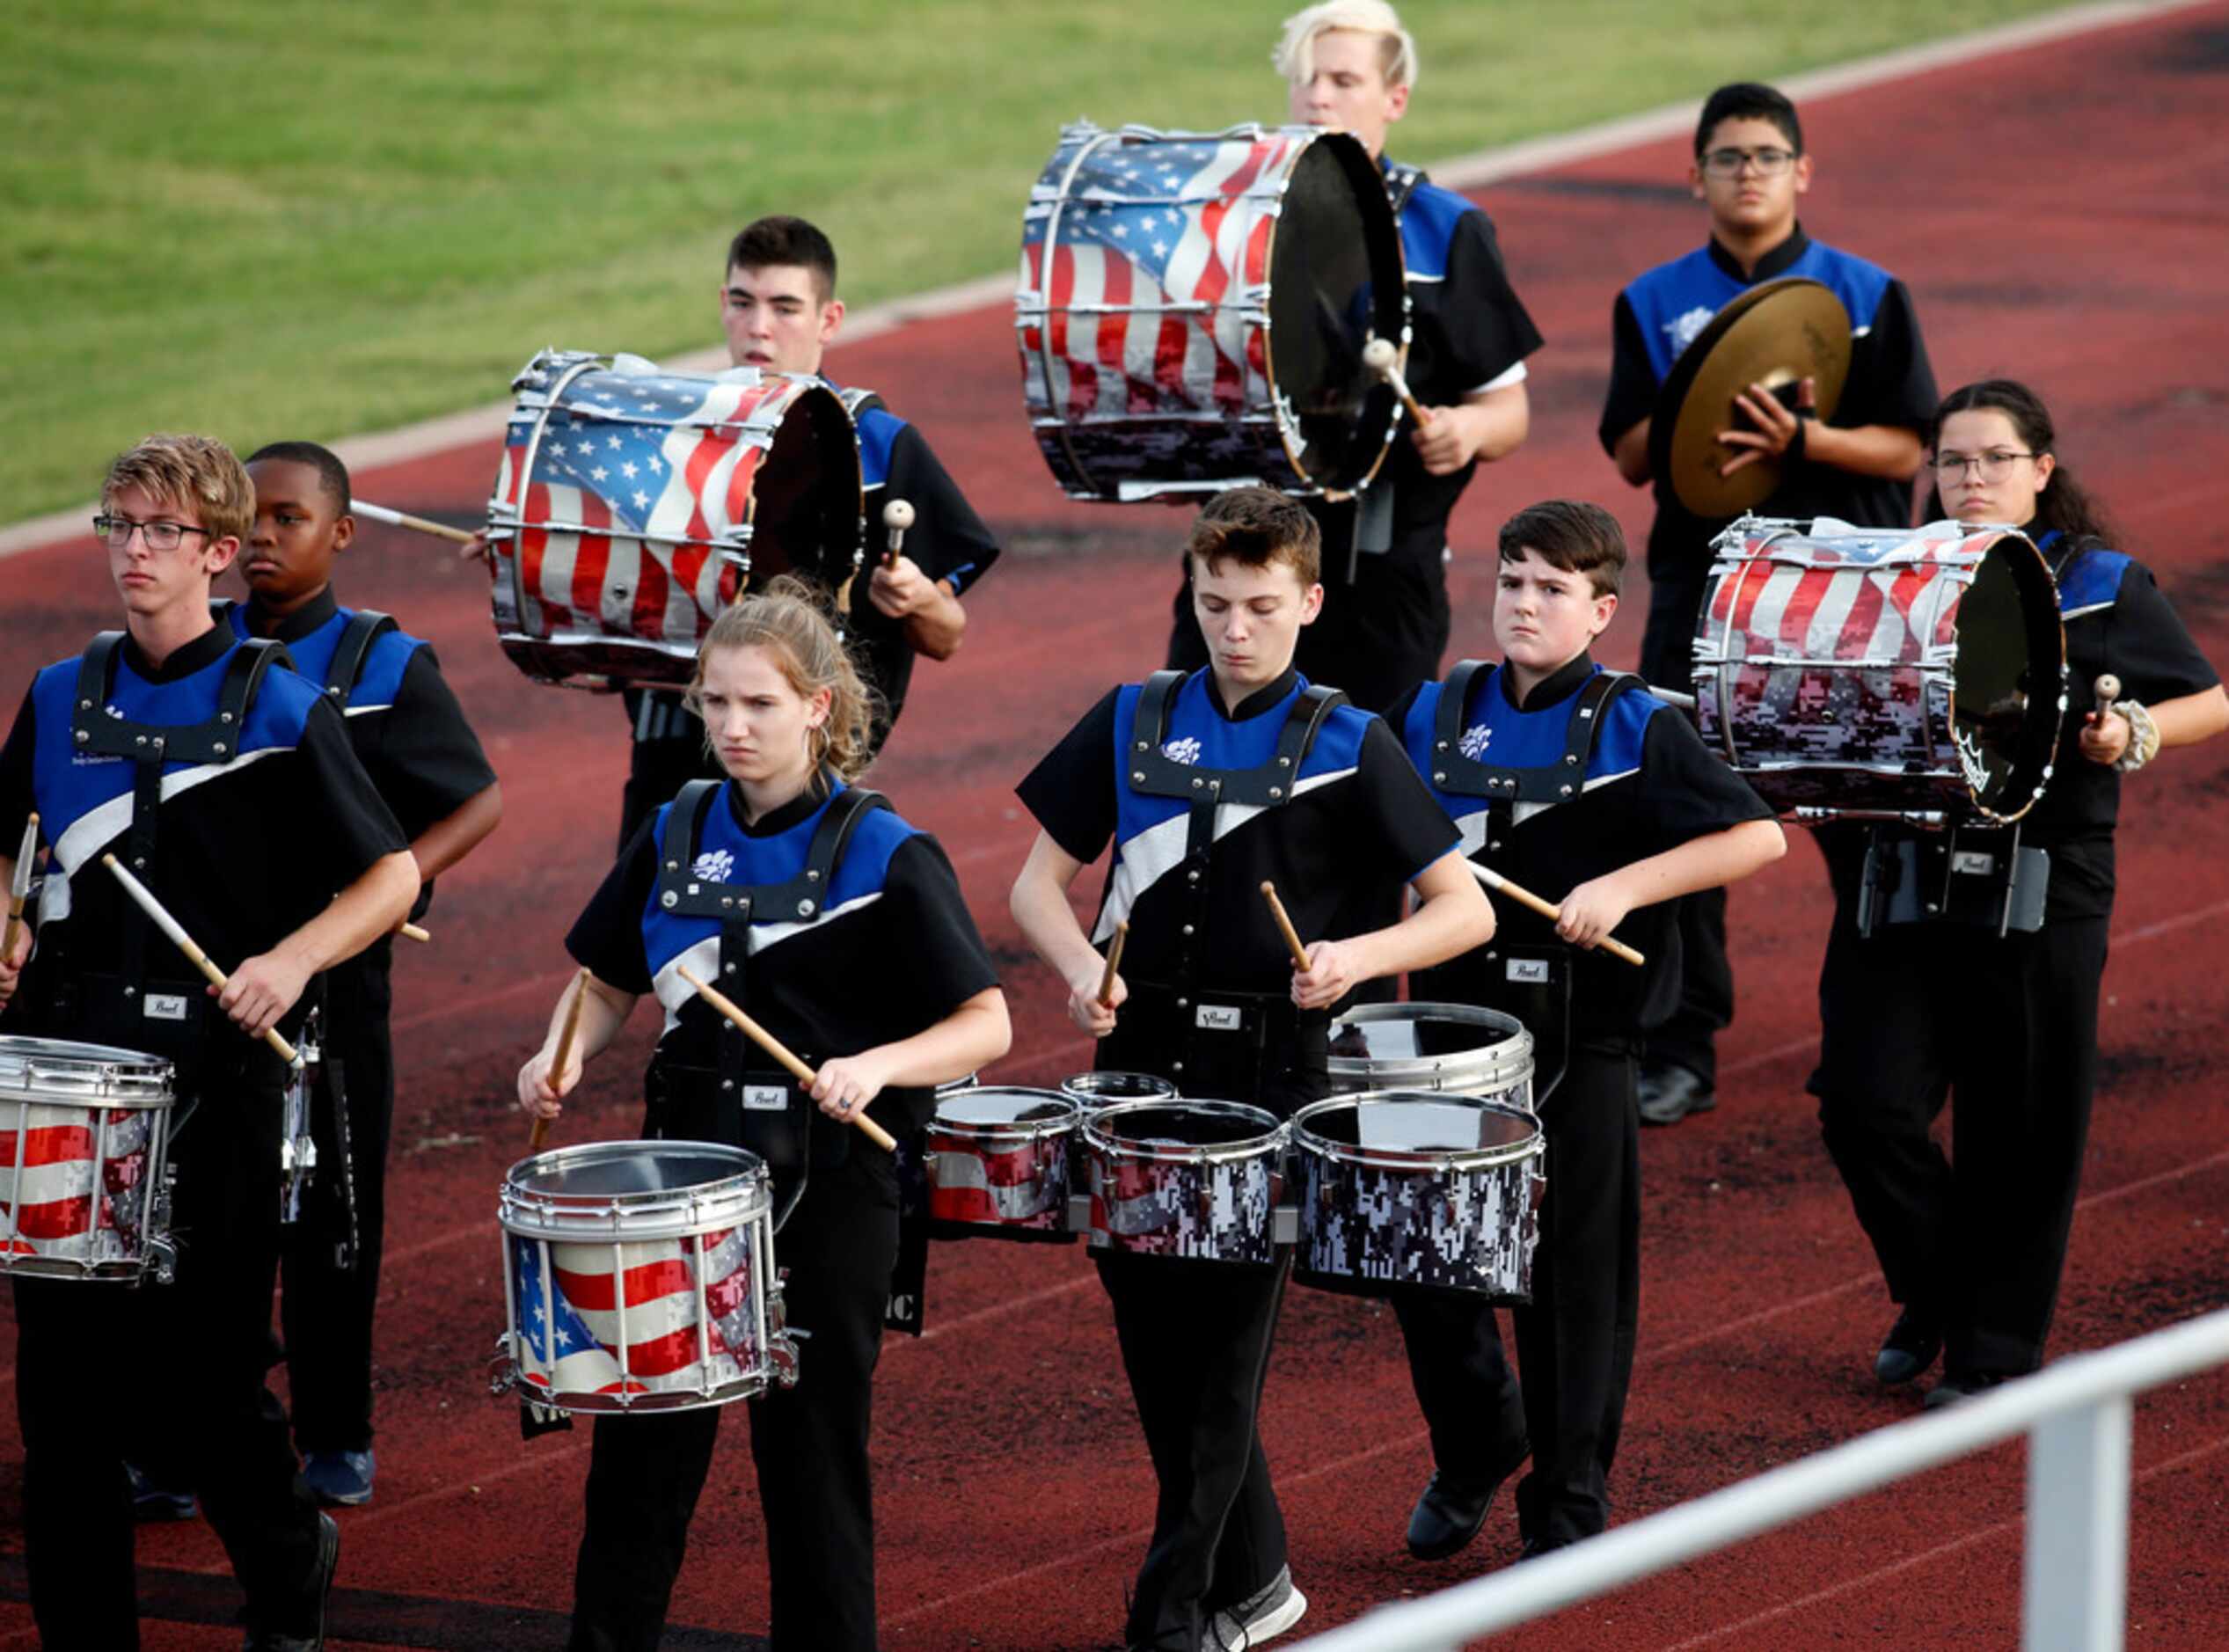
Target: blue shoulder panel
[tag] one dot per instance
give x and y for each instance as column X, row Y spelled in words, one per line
column 1429, row 218
column 1675, row 301
column 879, row 429
column 2091, row 581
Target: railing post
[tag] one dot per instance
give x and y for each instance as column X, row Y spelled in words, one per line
column 2076, row 1598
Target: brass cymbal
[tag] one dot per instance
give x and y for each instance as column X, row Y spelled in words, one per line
column 1776, row 334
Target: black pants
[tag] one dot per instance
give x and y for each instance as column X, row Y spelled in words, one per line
column 809, row 1444
column 1689, row 1039
column 1575, row 1341
column 326, row 1309
column 1911, row 1017
column 171, row 1377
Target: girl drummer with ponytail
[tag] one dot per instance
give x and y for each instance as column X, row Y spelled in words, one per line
column 839, row 927
column 2005, row 1016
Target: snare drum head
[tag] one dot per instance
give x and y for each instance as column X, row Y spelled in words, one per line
column 1101, row 1089
column 1175, row 1123
column 60, row 1068
column 2006, row 684
column 1421, row 1123
column 607, row 1170
column 992, row 1108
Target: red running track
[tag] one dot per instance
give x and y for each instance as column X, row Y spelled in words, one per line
column 2048, row 229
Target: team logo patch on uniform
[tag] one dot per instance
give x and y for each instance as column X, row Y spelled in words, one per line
column 1683, row 330
column 713, row 865
column 1473, row 743
column 1186, row 751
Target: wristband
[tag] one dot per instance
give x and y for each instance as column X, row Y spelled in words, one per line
column 2144, row 736
column 1794, row 453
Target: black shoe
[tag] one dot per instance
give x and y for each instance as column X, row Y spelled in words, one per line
column 1449, row 1514
column 1909, row 1348
column 1957, row 1386
column 319, row 1587
column 1668, row 1093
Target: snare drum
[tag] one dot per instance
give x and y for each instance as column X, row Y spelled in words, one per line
column 1193, row 306
column 1419, row 1189
column 1451, row 1046
column 639, row 1276
column 1913, row 674
column 84, row 1133
column 1184, row 1179
column 998, row 1161
column 633, row 504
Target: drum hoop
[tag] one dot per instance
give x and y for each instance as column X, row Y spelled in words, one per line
column 66, row 1074
column 1014, row 1131
column 1308, row 1142
column 1506, row 1061
column 736, row 1200
column 1078, row 1087
column 1265, row 1146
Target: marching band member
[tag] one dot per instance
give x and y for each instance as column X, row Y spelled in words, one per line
column 1385, row 623
column 1750, row 170
column 1315, row 796
column 1927, row 1005
column 886, row 986
column 1579, row 785
column 225, row 783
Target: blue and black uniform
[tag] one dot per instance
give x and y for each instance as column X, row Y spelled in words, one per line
column 1889, row 383
column 1386, row 622
column 1918, row 1011
column 1590, row 773
column 226, row 783
column 1204, row 803
column 947, row 542
column 409, row 732
column 839, row 927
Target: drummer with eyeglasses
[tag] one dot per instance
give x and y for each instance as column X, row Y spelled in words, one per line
column 225, row 784
column 1750, row 170
column 1988, row 997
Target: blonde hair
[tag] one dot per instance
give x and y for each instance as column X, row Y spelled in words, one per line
column 196, row 473
column 1296, row 54
column 787, row 620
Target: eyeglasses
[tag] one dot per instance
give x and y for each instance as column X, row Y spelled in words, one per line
column 1991, row 467
column 1729, row 163
column 160, row 536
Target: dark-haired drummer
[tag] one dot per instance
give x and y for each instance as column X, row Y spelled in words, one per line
column 225, row 783
column 1210, row 784
column 410, row 734
column 1581, row 788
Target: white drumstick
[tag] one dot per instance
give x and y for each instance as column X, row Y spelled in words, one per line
column 1381, row 358
column 897, row 516
column 416, row 524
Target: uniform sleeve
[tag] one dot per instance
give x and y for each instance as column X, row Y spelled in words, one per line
column 17, row 785
column 947, row 540
column 945, row 962
column 1071, row 792
column 1689, row 792
column 2145, row 645
column 1633, row 377
column 1488, row 329
column 607, row 936
column 345, row 824
column 1400, row 816
column 429, row 762
column 1892, row 381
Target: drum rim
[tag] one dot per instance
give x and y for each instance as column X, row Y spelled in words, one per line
column 1014, row 1130
column 1083, row 1079
column 652, row 1214
column 1509, row 1057
column 1309, row 1142
column 750, row 1386
column 76, row 1070
column 1267, row 1144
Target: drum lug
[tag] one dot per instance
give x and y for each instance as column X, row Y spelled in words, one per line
column 781, row 1347
column 1284, row 1224
column 502, row 1371
column 162, row 1260
column 1079, row 1213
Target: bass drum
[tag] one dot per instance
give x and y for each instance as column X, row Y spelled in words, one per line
column 1193, row 308
column 1915, row 674
column 633, row 504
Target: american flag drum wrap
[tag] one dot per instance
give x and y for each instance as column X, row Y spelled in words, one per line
column 998, row 1161
column 1184, row 1179
column 1419, row 1189
column 1918, row 674
column 1192, row 309
column 84, row 1133
column 639, row 1276
column 632, row 504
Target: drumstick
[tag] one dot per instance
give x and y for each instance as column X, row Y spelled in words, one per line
column 1501, row 885
column 541, row 1132
column 416, row 524
column 410, row 931
column 897, row 516
column 780, row 1051
column 1113, row 962
column 1381, row 358
column 147, row 903
column 1284, row 925
column 19, row 886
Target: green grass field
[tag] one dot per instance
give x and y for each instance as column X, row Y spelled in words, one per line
column 268, row 219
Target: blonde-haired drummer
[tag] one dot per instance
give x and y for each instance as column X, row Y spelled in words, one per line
column 1349, row 64
column 853, row 949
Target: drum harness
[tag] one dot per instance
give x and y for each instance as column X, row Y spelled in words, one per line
column 1152, row 773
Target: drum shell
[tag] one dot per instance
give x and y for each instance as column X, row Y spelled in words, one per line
column 1205, row 1200
column 84, row 1132
column 1003, row 1178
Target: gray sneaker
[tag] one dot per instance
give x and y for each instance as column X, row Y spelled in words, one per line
column 1258, row 1618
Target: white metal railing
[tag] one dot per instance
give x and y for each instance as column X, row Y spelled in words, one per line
column 2077, row 1415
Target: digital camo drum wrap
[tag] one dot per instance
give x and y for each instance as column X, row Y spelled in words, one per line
column 1184, row 1179
column 1193, row 307
column 1418, row 1189
column 639, row 1276
column 1916, row 675
column 633, row 504
column 997, row 1161
column 84, row 1131
column 1458, row 1047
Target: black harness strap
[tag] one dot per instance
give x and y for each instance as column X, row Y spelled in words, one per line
column 1401, row 182
column 365, row 627
column 1558, row 782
